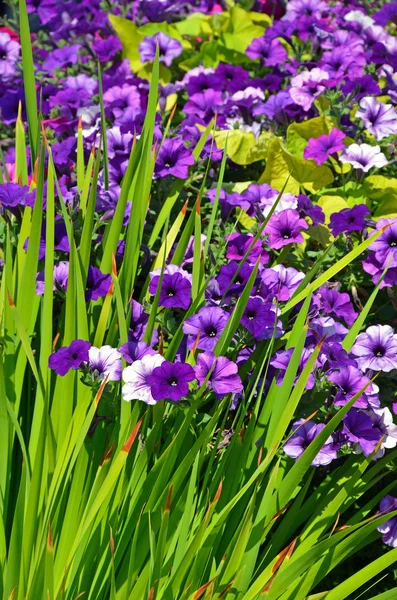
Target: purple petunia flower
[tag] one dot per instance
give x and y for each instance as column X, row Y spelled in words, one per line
column 363, row 157
column 9, row 55
column 98, row 284
column 61, row 275
column 12, row 194
column 379, row 118
column 376, row 349
column 174, row 159
column 69, row 357
column 239, row 243
column 171, row 381
column 224, row 378
column 349, row 219
column 284, row 228
column 105, row 362
column 349, row 382
column 389, row 527
column 107, row 48
column 306, row 208
column 137, row 386
column 260, row 318
column 208, row 323
column 385, row 247
column 304, row 434
column 132, row 351
column 204, row 104
column 319, row 149
column 168, row 48
column 176, row 287
column 271, row 53
column 332, row 302
column 280, row 282
column 307, row 86
column 62, row 57
column 359, row 429
column 281, row 361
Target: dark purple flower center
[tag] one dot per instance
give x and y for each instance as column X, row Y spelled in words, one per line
column 173, row 382
column 351, row 220
column 379, row 351
column 211, row 332
column 74, row 355
column 3, row 54
column 285, row 234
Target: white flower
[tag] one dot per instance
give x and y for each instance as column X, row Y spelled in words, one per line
column 363, row 156
column 360, row 17
column 105, row 362
column 135, row 376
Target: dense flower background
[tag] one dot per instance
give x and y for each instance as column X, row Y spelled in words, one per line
column 303, row 100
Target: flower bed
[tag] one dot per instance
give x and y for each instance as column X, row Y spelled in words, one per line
column 198, row 223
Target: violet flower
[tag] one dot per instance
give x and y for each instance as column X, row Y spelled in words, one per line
column 97, row 285
column 260, row 318
column 376, row 349
column 319, row 149
column 332, row 302
column 224, row 378
column 271, row 53
column 389, row 527
column 170, row 381
column 69, row 357
column 285, row 228
column 280, row 282
column 137, row 386
column 174, row 159
column 132, row 351
column 168, row 48
column 349, row 382
column 307, row 86
column 176, row 287
column 359, row 429
column 349, row 219
column 9, row 55
column 208, row 323
column 304, row 434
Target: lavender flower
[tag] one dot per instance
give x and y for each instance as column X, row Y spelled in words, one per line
column 284, row 228
column 307, row 86
column 332, row 302
column 69, row 357
column 271, row 53
column 137, row 386
column 105, row 362
column 171, row 381
column 319, row 149
column 376, row 349
column 280, row 282
column 168, row 48
column 385, row 247
column 208, row 323
column 175, row 289
column 379, row 119
column 304, row 434
column 364, row 157
column 97, row 285
column 224, row 378
column 349, row 382
column 260, row 318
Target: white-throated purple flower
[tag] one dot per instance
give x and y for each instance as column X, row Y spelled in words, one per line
column 363, row 157
column 379, row 118
column 349, row 219
column 389, row 527
column 304, row 434
column 224, row 378
column 319, row 149
column 105, row 362
column 307, row 86
column 173, row 159
column 170, row 381
column 69, row 357
column 176, row 287
column 359, row 429
column 208, row 323
column 169, row 48
column 260, row 318
column 376, row 349
column 9, row 54
column 280, row 282
column 136, row 376
column 285, row 228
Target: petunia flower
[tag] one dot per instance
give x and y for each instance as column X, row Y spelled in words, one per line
column 389, row 527
column 105, row 362
column 137, row 386
column 285, row 228
column 170, row 381
column 169, row 48
column 363, row 157
column 359, row 429
column 379, row 118
column 304, row 434
column 224, row 378
column 376, row 349
column 208, row 324
column 69, row 357
column 349, row 219
column 271, row 53
column 319, row 149
column 174, row 159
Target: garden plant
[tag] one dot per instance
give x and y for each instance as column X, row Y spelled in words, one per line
column 198, row 296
